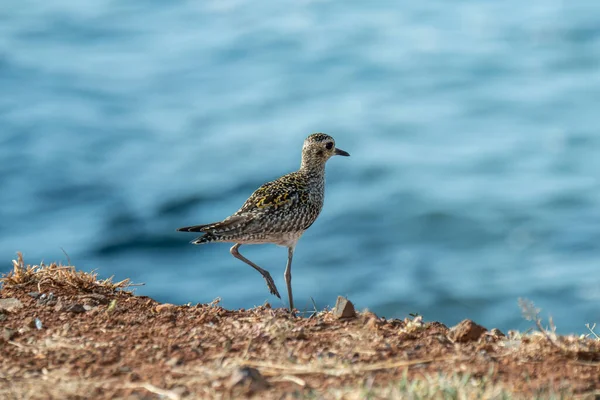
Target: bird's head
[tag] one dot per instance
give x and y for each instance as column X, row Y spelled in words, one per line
column 318, row 148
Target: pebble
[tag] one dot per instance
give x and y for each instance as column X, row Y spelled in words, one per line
column 497, row 332
column 173, row 362
column 75, row 308
column 8, row 334
column 24, row 329
column 466, row 331
column 248, row 376
column 164, row 307
column 29, row 322
column 46, row 299
column 10, row 304
column 344, row 308
column 59, row 306
column 93, row 298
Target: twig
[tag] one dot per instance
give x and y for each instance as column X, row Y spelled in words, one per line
column 308, row 370
column 538, row 324
column 43, row 280
column 156, row 390
column 68, row 258
column 290, row 378
column 247, row 349
column 533, row 314
column 591, row 329
column 316, row 311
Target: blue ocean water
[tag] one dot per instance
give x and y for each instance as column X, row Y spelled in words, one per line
column 473, row 129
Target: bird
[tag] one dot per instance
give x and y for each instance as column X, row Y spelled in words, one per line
column 278, row 212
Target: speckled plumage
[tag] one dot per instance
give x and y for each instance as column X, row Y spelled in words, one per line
column 279, row 211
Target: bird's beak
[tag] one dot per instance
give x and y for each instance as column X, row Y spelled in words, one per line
column 340, row 152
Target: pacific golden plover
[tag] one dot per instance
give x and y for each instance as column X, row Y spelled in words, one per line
column 279, row 211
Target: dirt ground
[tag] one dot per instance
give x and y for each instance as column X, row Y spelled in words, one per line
column 64, row 334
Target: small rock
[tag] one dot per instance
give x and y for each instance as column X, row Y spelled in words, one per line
column 35, row 295
column 124, row 369
column 180, row 390
column 46, row 300
column 249, row 377
column 87, row 307
column 91, row 298
column 65, row 329
column 164, row 307
column 300, row 333
column 497, row 333
column 10, row 304
column 173, row 362
column 24, row 329
column 414, row 323
column 60, row 306
column 371, row 320
column 8, row 334
column 75, row 308
column 38, row 324
column 466, row 331
column 29, row 322
column 344, row 308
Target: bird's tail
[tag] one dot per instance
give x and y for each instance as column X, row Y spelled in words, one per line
column 196, row 228
column 206, row 238
column 209, row 235
column 229, row 223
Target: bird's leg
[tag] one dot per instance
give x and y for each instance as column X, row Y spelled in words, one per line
column 265, row 274
column 288, row 277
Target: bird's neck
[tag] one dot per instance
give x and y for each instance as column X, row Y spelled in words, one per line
column 313, row 170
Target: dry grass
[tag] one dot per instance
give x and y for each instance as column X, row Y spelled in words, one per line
column 58, row 384
column 59, row 275
column 125, row 345
column 440, row 386
column 574, row 347
column 592, row 334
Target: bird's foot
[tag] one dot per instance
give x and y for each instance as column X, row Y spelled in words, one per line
column 271, row 284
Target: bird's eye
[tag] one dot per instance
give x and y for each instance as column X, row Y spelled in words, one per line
column 329, row 145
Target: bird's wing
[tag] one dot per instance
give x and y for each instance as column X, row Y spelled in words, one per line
column 267, row 202
column 274, row 195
